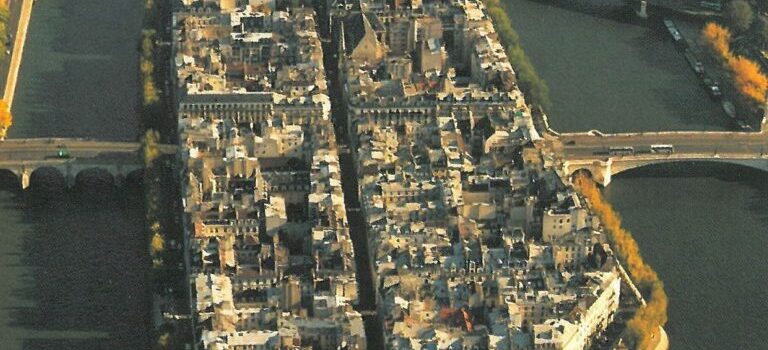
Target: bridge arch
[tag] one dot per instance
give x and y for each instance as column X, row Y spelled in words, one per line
column 47, row 178
column 132, row 178
column 581, row 172
column 90, row 177
column 9, row 180
column 759, row 164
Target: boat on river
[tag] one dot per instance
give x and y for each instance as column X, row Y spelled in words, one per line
column 729, row 109
column 672, row 29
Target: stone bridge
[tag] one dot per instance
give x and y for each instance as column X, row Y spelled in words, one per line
column 22, row 157
column 605, row 155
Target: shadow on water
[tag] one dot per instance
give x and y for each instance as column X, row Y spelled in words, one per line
column 729, row 173
column 88, row 269
column 614, row 10
column 80, row 71
column 9, row 182
column 702, row 227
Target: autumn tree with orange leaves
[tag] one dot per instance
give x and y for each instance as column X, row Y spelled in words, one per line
column 6, row 119
column 644, row 328
column 718, row 38
column 747, row 77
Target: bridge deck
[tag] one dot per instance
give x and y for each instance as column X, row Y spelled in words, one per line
column 46, row 150
column 712, row 144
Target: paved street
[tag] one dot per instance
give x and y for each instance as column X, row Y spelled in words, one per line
column 745, row 144
column 31, row 150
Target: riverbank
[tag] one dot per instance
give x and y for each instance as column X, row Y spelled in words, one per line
column 165, row 235
column 18, row 20
column 700, row 225
column 11, row 27
column 612, row 74
column 644, row 329
column 531, row 84
column 77, row 276
column 17, row 51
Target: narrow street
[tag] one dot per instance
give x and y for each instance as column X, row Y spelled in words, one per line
column 367, row 286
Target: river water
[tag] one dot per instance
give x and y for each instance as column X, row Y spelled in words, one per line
column 73, row 265
column 702, row 226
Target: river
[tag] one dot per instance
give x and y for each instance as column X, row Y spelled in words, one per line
column 73, row 265
column 701, row 226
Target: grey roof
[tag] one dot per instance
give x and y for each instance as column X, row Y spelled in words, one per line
column 259, row 97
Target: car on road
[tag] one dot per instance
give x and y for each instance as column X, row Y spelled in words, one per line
column 662, row 149
column 63, row 152
column 621, row 151
column 595, row 133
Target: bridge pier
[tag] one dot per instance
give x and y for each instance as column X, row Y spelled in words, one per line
column 117, row 158
column 70, row 177
column 601, row 170
column 119, row 180
column 118, row 176
column 25, row 176
column 606, row 175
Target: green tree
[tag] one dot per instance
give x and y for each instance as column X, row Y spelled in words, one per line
column 4, row 16
column 527, row 77
column 762, row 30
column 739, row 15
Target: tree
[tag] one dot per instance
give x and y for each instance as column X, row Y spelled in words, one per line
column 6, row 119
column 158, row 244
column 748, row 78
column 149, row 147
column 762, row 30
column 150, row 91
column 718, row 38
column 164, row 340
column 4, row 16
column 643, row 328
column 739, row 15
column 528, row 78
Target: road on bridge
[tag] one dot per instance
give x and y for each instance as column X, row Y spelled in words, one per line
column 578, row 146
column 14, row 150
